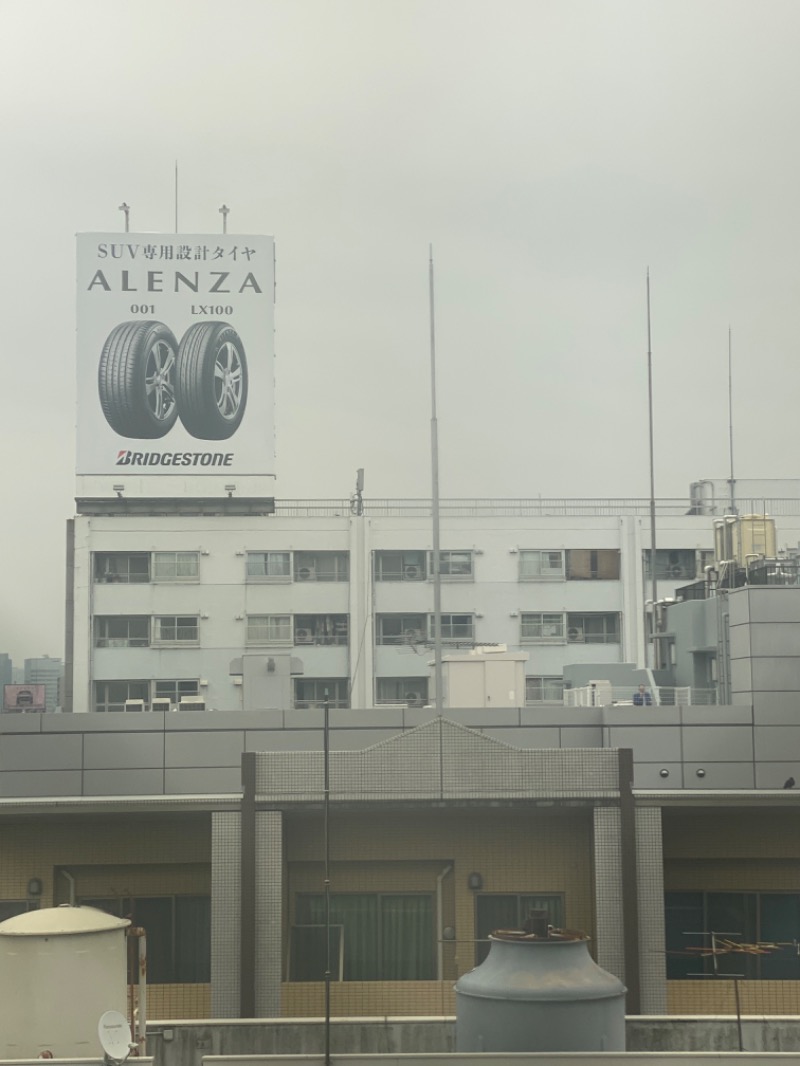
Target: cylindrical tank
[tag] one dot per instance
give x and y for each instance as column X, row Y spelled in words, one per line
column 61, row 968
column 539, row 994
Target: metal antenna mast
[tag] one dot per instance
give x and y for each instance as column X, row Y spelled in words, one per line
column 437, row 577
column 731, row 480
column 224, row 211
column 176, row 195
column 653, row 567
column 126, row 208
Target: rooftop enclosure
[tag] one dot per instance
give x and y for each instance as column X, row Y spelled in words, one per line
column 208, row 831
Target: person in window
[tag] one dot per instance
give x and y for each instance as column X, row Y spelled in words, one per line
column 642, row 697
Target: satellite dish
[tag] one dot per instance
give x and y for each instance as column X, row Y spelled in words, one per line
column 115, row 1036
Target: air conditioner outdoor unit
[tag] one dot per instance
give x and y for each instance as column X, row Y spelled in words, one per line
column 192, row 703
column 306, row 573
column 676, row 571
column 134, row 705
column 303, row 636
column 412, row 636
column 575, row 634
column 414, row 699
column 160, row 703
column 411, row 572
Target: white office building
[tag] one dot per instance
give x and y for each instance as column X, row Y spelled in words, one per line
column 247, row 603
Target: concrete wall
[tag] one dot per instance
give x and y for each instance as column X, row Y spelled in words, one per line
column 184, row 1044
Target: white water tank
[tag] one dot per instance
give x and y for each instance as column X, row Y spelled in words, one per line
column 539, row 994
column 61, row 968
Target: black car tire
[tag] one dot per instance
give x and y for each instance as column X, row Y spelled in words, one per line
column 212, row 380
column 136, row 379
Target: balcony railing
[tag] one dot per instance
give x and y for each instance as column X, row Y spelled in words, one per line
column 602, row 695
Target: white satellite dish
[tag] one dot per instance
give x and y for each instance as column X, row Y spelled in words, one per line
column 115, row 1036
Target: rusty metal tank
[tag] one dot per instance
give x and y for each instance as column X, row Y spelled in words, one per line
column 539, row 993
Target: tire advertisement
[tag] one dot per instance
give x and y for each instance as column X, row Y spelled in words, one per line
column 175, row 354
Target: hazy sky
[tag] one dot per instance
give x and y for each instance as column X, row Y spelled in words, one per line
column 550, row 151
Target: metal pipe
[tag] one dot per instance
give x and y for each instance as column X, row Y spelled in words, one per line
column 141, row 1020
column 326, row 828
column 653, row 567
column 439, row 921
column 71, row 882
column 437, row 577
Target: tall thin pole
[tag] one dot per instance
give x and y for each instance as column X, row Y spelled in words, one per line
column 653, row 561
column 731, row 480
column 326, row 831
column 176, row 195
column 437, row 577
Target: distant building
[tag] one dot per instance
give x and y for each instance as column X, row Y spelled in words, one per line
column 6, row 669
column 48, row 672
column 197, row 603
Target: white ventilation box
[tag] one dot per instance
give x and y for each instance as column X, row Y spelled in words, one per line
column 134, row 705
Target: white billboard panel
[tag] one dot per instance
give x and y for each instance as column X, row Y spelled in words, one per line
column 175, row 354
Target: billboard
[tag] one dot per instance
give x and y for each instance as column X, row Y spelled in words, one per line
column 175, row 354
column 24, row 698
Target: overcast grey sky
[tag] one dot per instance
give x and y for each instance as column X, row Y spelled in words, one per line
column 550, row 151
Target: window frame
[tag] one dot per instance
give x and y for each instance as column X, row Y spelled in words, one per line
column 179, row 623
column 409, row 634
column 267, row 578
column 338, row 692
column 449, row 624
column 119, row 577
column 311, row 564
column 176, row 577
column 321, row 630
column 576, row 621
column 411, row 565
column 543, row 682
column 404, row 687
column 551, row 576
column 447, row 561
column 544, row 620
column 101, row 622
column 272, row 624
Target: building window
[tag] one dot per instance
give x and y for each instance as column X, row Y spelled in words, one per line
column 453, row 566
column 400, row 629
column 10, row 908
column 269, row 566
column 112, row 695
column 674, row 564
column 593, row 564
column 124, row 568
column 383, row 937
column 174, row 691
column 321, row 629
column 593, row 628
column 544, row 690
column 402, row 691
column 400, row 566
column 541, row 628
column 541, row 565
column 176, row 629
column 510, row 911
column 175, row 566
column 455, row 627
column 269, row 629
column 122, row 631
column 321, row 566
column 769, row 918
column 311, row 692
column 178, row 935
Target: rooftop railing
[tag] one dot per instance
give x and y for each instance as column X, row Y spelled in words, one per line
column 522, row 508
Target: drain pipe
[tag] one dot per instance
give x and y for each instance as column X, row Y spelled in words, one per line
column 71, row 882
column 439, row 920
